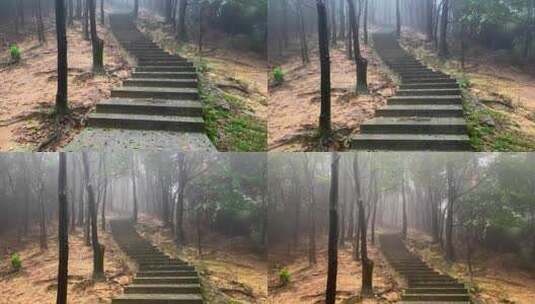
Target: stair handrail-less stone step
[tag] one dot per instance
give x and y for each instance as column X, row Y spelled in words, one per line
column 158, row 107
column 160, row 279
column 426, row 113
column 424, row 284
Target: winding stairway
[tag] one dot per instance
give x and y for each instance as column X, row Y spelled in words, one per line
column 425, row 114
column 158, row 107
column 160, row 279
column 425, row 285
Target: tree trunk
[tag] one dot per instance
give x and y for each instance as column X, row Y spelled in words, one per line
column 97, row 43
column 134, row 192
column 182, row 33
column 199, row 237
column 330, row 292
column 366, row 23
column 530, row 27
column 367, row 264
column 102, row 12
column 179, row 216
column 98, row 249
column 325, row 63
column 42, row 221
column 302, row 34
column 136, row 9
column 63, row 235
column 398, row 20
column 450, row 251
column 71, row 12
column 430, row 8
column 374, row 215
column 40, row 26
column 85, row 23
column 333, row 22
column 443, row 48
column 404, row 206
column 342, row 21
column 61, row 96
column 103, row 214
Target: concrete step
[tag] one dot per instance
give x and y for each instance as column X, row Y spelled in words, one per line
column 435, row 297
column 420, row 125
column 167, row 273
column 411, row 142
column 146, row 122
column 155, row 267
column 166, row 280
column 428, row 80
column 158, row 299
column 164, row 61
column 435, row 290
column 435, row 285
column 425, row 100
column 166, row 75
column 429, row 92
column 421, row 110
column 163, row 288
column 151, row 107
column 156, row 93
column 160, row 82
column 429, row 86
column 165, row 68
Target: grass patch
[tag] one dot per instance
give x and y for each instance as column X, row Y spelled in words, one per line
column 503, row 137
column 228, row 124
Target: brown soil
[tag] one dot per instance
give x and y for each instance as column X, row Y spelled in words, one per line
column 36, row 282
column 307, row 283
column 230, row 268
column 498, row 278
column 28, row 89
column 294, row 105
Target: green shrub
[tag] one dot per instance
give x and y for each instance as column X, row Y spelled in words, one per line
column 278, row 75
column 16, row 263
column 15, row 53
column 284, row 276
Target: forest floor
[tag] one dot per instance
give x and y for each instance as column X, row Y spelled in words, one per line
column 498, row 278
column 231, row 269
column 233, row 85
column 28, row 89
column 502, row 114
column 36, row 282
column 294, row 105
column 307, row 283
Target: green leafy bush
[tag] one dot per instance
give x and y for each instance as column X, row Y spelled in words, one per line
column 284, row 276
column 15, row 53
column 16, row 262
column 278, row 75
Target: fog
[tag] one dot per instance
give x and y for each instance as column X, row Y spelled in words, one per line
column 190, row 193
column 452, row 198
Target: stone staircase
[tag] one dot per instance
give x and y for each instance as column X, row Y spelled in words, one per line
column 158, row 107
column 425, row 114
column 160, row 279
column 425, row 285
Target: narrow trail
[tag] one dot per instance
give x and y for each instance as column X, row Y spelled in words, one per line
column 426, row 113
column 160, row 279
column 157, row 108
column 425, row 285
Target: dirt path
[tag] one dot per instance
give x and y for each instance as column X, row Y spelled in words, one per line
column 308, row 283
column 294, row 106
column 28, row 90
